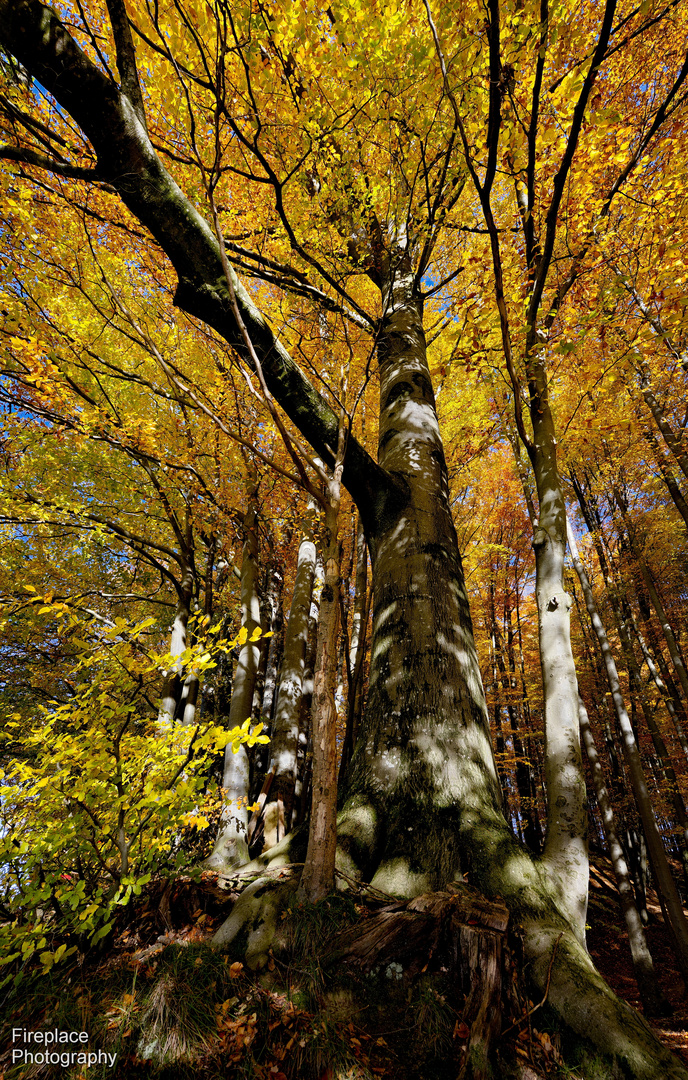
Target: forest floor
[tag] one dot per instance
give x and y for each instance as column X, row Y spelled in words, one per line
column 159, row 991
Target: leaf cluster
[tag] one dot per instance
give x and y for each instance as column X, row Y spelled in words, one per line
column 100, row 794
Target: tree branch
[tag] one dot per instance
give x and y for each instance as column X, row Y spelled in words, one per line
column 42, row 161
column 126, row 158
column 126, row 56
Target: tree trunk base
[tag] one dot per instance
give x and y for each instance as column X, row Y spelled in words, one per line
column 445, row 969
column 455, row 932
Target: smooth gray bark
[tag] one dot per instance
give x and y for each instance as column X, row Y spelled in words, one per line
column 231, row 845
column 423, row 762
column 285, row 731
column 565, row 848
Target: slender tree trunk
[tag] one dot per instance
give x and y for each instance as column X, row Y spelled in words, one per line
column 285, row 736
column 317, row 879
column 357, row 649
column 305, row 742
column 271, row 648
column 498, row 681
column 275, row 650
column 565, row 848
column 660, row 866
column 651, row 995
column 671, row 783
column 672, row 704
column 187, row 708
column 672, row 440
column 655, row 600
column 231, row 845
column 360, row 625
column 172, row 682
column 524, row 773
column 664, row 762
column 535, row 765
column 343, row 685
column 667, row 476
column 667, row 629
column 633, row 837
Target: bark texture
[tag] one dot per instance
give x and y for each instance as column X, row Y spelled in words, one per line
column 422, row 772
column 173, row 684
column 317, row 879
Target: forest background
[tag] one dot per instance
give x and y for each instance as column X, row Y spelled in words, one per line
column 189, row 494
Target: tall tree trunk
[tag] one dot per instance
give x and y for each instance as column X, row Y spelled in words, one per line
column 667, row 629
column 231, row 846
column 664, row 762
column 317, row 879
column 285, row 732
column 633, row 546
column 651, row 995
column 525, row 780
column 305, row 743
column 672, row 440
column 425, row 711
column 565, row 848
column 535, row 764
column 498, row 676
column 667, row 476
column 666, row 887
column 357, row 649
column 672, row 703
column 275, row 650
column 186, row 710
column 271, row 648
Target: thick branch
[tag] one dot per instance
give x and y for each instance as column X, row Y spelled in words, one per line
column 126, row 158
column 126, row 57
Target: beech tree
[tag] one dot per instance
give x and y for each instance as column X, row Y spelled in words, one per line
column 350, row 194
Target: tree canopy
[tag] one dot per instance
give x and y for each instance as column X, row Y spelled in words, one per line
column 373, row 297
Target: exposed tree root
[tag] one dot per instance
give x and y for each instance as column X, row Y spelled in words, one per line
column 464, row 946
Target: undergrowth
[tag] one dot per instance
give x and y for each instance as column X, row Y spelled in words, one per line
column 179, row 1010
